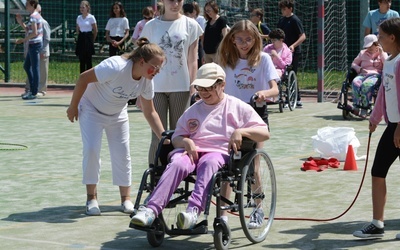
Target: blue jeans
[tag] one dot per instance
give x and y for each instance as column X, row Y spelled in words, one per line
column 32, row 66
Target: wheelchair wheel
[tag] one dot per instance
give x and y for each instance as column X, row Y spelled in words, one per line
column 257, row 199
column 291, row 90
column 222, row 236
column 344, row 100
column 156, row 237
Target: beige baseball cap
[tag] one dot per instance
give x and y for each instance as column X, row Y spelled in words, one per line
column 208, row 74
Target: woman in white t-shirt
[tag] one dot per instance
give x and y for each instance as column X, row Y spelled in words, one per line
column 100, row 101
column 178, row 36
column 117, row 28
column 86, row 28
column 249, row 71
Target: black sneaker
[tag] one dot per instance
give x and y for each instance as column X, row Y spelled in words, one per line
column 370, row 231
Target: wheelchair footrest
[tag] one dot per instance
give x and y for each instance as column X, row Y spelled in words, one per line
column 200, row 228
column 141, row 228
column 347, row 108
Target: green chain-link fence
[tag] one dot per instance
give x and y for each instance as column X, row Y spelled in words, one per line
column 342, row 34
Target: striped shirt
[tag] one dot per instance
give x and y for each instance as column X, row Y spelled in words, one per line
column 36, row 18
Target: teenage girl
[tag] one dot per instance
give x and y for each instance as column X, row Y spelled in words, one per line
column 34, row 38
column 117, row 28
column 100, row 101
column 86, row 28
column 387, row 105
column 249, row 71
column 178, row 36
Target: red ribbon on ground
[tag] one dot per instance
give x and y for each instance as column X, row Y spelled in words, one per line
column 320, row 164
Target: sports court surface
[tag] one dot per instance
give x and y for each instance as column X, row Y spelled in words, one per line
column 42, row 198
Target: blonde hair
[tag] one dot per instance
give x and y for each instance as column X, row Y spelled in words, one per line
column 228, row 54
column 87, row 4
column 145, row 50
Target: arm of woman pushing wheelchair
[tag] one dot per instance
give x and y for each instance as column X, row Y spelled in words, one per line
column 166, row 136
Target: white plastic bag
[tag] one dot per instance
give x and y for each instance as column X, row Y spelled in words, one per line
column 333, row 142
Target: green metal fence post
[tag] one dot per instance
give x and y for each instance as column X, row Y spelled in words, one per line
column 364, row 8
column 7, row 41
column 64, row 27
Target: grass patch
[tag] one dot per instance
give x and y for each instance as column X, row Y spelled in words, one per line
column 68, row 72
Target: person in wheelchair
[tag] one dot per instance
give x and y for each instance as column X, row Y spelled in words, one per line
column 203, row 138
column 279, row 51
column 368, row 64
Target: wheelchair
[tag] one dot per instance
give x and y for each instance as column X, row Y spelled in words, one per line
column 345, row 100
column 287, row 86
column 241, row 176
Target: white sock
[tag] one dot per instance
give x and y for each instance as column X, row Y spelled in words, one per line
column 224, row 218
column 378, row 223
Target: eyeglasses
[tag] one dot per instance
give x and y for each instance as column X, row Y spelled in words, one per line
column 208, row 10
column 241, row 42
column 156, row 68
column 208, row 89
column 147, row 18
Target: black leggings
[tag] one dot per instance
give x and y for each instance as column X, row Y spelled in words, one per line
column 386, row 152
column 112, row 50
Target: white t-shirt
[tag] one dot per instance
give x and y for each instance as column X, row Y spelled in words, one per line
column 85, row 24
column 244, row 81
column 175, row 38
column 390, row 87
column 116, row 86
column 202, row 21
column 211, row 126
column 117, row 26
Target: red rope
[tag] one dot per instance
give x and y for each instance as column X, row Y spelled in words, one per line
column 338, row 216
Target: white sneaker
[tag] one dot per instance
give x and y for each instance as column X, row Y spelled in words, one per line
column 92, row 207
column 145, row 217
column 256, row 219
column 188, row 219
column 40, row 94
column 127, row 207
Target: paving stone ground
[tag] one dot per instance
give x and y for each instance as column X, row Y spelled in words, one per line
column 42, row 198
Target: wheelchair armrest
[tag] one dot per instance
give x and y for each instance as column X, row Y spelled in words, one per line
column 248, row 145
column 351, row 75
column 168, row 134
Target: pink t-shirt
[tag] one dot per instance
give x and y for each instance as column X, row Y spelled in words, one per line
column 138, row 29
column 284, row 59
column 373, row 63
column 211, row 126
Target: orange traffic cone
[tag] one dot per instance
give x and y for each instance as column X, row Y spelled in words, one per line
column 350, row 163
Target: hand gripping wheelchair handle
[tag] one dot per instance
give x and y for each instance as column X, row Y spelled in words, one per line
column 256, row 104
